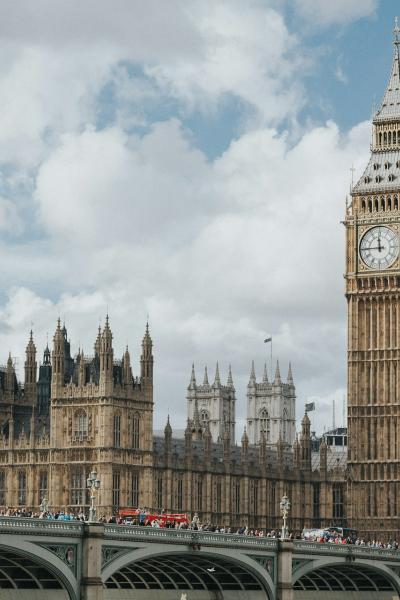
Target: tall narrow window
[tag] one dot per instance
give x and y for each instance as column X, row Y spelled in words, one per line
column 134, row 490
column 236, row 496
column 80, row 425
column 117, row 430
column 159, row 491
column 199, row 505
column 179, row 504
column 255, row 498
column 264, row 424
column 116, row 480
column 77, row 486
column 316, row 495
column 43, row 485
column 218, row 496
column 2, row 488
column 136, row 432
column 21, row 488
column 337, row 501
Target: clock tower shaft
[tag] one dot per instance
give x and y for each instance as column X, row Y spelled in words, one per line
column 373, row 296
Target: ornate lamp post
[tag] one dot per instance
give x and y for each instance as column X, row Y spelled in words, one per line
column 285, row 508
column 93, row 484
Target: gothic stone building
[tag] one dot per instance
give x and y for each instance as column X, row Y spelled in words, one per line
column 91, row 411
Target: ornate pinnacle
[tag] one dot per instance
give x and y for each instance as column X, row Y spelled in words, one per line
column 205, row 380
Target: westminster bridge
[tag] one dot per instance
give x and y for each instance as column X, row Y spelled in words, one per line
column 67, row 560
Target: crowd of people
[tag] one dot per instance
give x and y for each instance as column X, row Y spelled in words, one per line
column 319, row 536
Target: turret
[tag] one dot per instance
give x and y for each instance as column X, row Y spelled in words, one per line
column 97, row 343
column 82, row 369
column 305, row 444
column 146, row 360
column 168, row 439
column 126, row 368
column 323, row 457
column 245, row 447
column 10, row 378
column 58, row 359
column 106, row 355
column 30, row 371
column 188, row 442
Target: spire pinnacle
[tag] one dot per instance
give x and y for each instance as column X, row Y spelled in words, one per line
column 217, row 380
column 265, row 374
column 277, row 380
column 229, row 382
column 252, row 379
column 192, row 383
column 290, row 375
column 205, row 380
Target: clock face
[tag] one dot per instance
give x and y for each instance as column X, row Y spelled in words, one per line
column 379, row 247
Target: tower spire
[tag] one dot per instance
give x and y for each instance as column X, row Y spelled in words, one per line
column 217, row 380
column 205, row 380
column 290, row 375
column 277, row 380
column 229, row 382
column 265, row 374
column 192, row 384
column 252, row 379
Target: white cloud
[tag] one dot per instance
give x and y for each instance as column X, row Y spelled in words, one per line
column 323, row 12
column 219, row 252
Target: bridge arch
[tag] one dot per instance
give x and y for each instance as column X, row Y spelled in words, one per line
column 164, row 574
column 333, row 576
column 24, row 566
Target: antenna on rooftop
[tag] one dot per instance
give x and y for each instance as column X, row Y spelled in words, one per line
column 333, row 414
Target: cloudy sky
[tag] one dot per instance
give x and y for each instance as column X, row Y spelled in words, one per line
column 187, row 160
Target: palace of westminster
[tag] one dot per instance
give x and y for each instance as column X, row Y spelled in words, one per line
column 74, row 414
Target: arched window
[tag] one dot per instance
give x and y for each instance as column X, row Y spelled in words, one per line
column 370, row 206
column 390, row 138
column 205, row 417
column 81, row 424
column 363, row 205
column 136, row 431
column 389, row 203
column 265, row 423
column 380, row 139
column 396, row 203
column 394, row 137
column 385, row 138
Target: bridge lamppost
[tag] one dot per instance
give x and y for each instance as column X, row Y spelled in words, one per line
column 285, row 508
column 93, row 484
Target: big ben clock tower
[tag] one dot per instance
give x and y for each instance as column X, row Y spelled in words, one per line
column 373, row 297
